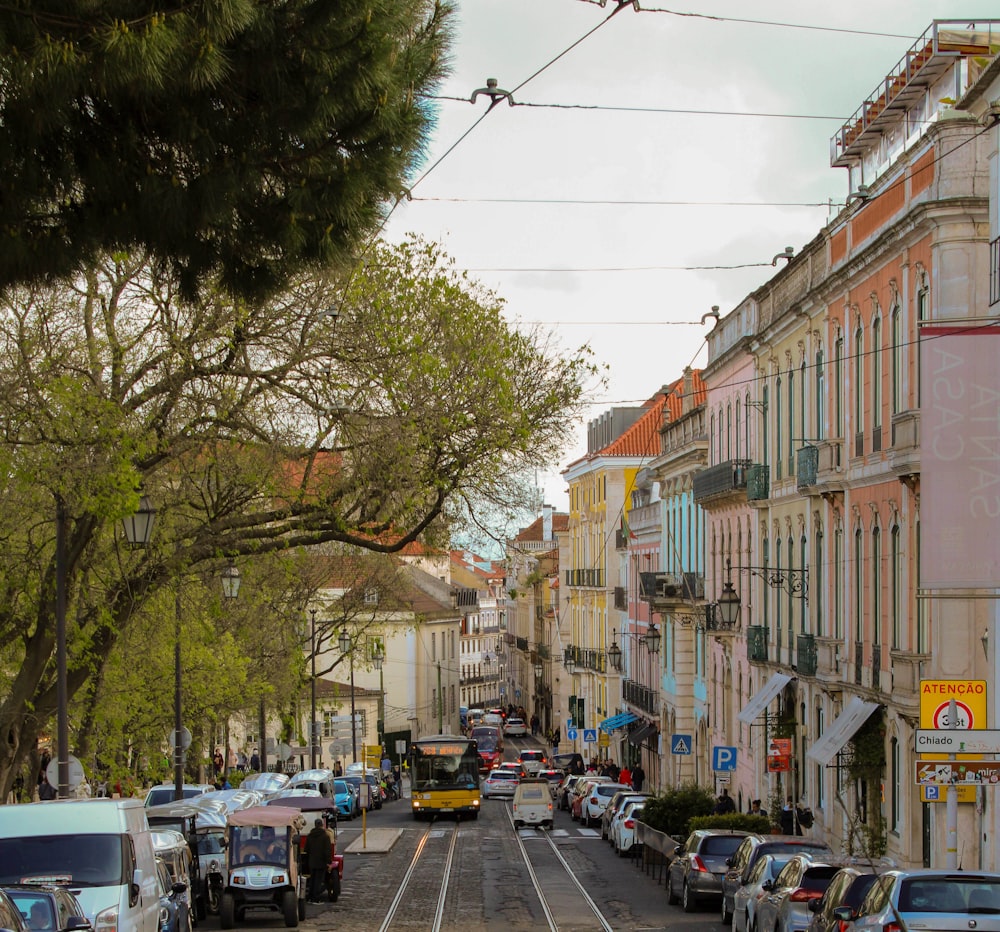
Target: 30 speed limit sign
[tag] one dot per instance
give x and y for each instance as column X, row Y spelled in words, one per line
column 964, row 717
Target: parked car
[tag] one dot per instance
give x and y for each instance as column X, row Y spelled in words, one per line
column 623, row 826
column 345, row 798
column 164, row 792
column 532, row 760
column 848, row 888
column 175, row 909
column 10, row 917
column 47, row 907
column 594, row 803
column 515, row 728
column 785, row 908
column 762, row 874
column 930, row 900
column 500, row 783
column 755, row 846
column 564, row 792
column 173, row 853
column 695, row 874
column 614, row 806
column 532, row 803
column 580, row 790
column 554, row 779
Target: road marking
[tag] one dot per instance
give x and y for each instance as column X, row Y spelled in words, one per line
column 588, row 832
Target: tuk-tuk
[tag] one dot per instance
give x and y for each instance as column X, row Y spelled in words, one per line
column 173, row 850
column 267, row 783
column 262, row 865
column 205, row 830
column 318, row 805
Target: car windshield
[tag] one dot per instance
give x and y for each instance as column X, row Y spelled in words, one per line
column 340, row 787
column 486, row 743
column 83, row 860
column 251, row 844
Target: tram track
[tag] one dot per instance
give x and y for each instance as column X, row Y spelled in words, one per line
column 560, row 900
column 432, row 861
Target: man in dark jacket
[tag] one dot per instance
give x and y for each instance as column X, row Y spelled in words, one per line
column 319, row 854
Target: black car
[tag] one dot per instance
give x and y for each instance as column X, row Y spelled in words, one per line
column 355, row 779
column 47, row 907
column 175, row 912
column 570, row 763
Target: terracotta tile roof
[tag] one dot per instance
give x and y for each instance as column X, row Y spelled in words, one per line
column 560, row 522
column 643, row 437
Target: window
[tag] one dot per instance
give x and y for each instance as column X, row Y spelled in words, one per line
column 858, row 587
column 896, row 339
column 922, row 309
column 895, row 779
column 791, row 422
column 434, row 652
column 739, row 427
column 371, row 596
column 876, row 392
column 838, row 386
column 838, row 583
column 896, row 584
column 765, row 440
column 859, row 394
column 778, row 426
column 816, row 586
column 876, row 598
column 820, row 396
column 820, row 785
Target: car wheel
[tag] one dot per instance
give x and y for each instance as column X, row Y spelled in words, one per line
column 689, row 902
column 671, row 896
column 725, row 915
column 302, row 909
column 333, row 885
column 290, row 908
column 227, row 911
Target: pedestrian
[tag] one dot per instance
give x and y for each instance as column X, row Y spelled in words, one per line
column 638, row 778
column 755, row 807
column 338, row 769
column 45, row 789
column 218, row 761
column 555, row 739
column 319, row 854
column 255, row 761
column 788, row 818
column 625, row 776
column 725, row 804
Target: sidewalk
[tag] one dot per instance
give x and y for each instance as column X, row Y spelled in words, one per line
column 374, row 841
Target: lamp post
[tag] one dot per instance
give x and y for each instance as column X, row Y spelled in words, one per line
column 312, row 698
column 378, row 657
column 345, row 648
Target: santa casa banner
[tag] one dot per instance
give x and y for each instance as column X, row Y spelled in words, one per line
column 959, row 456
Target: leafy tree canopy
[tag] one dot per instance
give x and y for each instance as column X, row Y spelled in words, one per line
column 238, row 141
column 252, row 434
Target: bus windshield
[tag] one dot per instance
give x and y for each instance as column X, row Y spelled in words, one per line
column 447, row 765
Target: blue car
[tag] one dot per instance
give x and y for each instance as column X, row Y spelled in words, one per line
column 346, row 800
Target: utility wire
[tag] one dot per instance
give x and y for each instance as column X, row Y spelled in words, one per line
column 598, row 202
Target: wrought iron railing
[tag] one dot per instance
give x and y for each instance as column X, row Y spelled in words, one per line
column 806, row 655
column 730, row 476
column 758, row 483
column 642, row 696
column 806, row 466
column 757, row 643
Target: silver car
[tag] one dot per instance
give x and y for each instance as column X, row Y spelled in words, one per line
column 785, row 908
column 931, row 900
column 758, row 882
column 500, row 783
column 695, row 874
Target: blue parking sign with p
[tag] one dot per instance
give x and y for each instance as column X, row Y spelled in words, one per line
column 723, row 758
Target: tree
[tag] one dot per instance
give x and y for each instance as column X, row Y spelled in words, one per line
column 252, row 434
column 238, row 139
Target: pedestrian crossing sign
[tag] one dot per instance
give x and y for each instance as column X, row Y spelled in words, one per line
column 680, row 744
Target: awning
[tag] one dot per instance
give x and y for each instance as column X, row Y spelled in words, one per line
column 844, row 728
column 618, row 721
column 640, row 734
column 765, row 694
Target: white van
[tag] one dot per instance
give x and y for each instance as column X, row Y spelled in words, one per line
column 532, row 803
column 100, row 849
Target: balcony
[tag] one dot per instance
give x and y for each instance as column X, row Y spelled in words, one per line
column 667, row 591
column 643, row 697
column 757, row 643
column 806, row 658
column 585, row 578
column 621, row 599
column 725, row 480
column 904, row 451
column 467, row 599
column 758, row 483
column 806, row 467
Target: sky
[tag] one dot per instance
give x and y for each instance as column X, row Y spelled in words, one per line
column 654, row 164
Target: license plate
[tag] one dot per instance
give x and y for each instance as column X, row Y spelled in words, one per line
column 446, row 809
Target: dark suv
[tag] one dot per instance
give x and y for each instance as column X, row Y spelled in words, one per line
column 755, row 846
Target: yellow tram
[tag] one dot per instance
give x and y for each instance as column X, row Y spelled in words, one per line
column 444, row 776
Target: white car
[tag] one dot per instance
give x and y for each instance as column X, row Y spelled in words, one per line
column 597, row 798
column 515, row 727
column 500, row 783
column 532, row 760
column 622, row 829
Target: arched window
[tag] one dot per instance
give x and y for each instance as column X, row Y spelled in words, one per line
column 820, row 388
column 716, row 454
column 779, row 427
column 739, row 428
column 896, row 583
column 764, row 451
column 859, row 393
column 838, row 583
column 838, row 386
column 923, row 310
column 876, row 393
column 859, row 562
column 898, row 372
column 876, row 596
column 791, row 422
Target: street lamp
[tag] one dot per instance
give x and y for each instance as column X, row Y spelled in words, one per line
column 653, row 639
column 378, row 658
column 615, row 656
column 312, row 713
column 345, row 648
